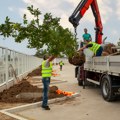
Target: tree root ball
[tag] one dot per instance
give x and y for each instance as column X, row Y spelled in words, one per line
column 36, row 72
column 108, row 48
column 77, row 59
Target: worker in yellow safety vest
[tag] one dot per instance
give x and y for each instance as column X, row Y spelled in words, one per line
column 61, row 64
column 94, row 47
column 46, row 76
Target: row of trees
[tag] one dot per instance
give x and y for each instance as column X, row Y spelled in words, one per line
column 50, row 34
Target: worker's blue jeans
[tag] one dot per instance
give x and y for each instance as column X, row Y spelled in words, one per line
column 46, row 83
column 99, row 51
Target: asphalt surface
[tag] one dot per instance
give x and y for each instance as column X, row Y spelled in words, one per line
column 88, row 106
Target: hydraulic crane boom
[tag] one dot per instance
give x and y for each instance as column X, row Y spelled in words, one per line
column 80, row 11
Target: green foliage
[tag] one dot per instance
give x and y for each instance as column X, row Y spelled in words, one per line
column 7, row 28
column 40, row 53
column 49, row 34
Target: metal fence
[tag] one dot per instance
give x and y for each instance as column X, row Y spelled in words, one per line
column 14, row 63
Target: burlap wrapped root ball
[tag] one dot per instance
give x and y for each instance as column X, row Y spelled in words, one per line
column 77, row 59
column 108, row 49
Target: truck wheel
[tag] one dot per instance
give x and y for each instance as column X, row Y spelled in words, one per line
column 106, row 88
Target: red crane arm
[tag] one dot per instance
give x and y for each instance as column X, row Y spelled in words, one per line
column 79, row 13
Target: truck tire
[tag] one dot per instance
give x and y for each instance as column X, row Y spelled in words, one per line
column 106, row 89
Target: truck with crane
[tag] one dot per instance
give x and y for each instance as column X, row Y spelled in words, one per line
column 104, row 70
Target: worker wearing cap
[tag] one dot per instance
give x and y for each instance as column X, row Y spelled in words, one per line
column 94, row 47
column 46, row 76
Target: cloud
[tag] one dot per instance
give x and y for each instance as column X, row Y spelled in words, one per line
column 105, row 10
column 64, row 8
column 74, row 2
column 11, row 9
column 23, row 11
column 28, row 1
column 114, row 32
column 64, row 21
column 50, row 6
column 118, row 9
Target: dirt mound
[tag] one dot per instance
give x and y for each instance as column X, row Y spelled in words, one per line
column 9, row 95
column 77, row 59
column 36, row 72
column 53, row 89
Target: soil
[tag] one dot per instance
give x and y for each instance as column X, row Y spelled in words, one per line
column 77, row 59
column 108, row 48
column 36, row 72
column 9, row 95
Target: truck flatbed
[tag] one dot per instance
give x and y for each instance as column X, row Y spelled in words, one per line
column 109, row 64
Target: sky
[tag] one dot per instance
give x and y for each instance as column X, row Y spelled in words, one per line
column 109, row 11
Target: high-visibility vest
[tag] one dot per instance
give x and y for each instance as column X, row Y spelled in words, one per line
column 94, row 47
column 46, row 71
column 61, row 63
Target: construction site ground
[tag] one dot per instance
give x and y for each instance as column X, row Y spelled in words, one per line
column 88, row 106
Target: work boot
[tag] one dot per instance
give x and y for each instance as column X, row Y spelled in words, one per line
column 46, row 107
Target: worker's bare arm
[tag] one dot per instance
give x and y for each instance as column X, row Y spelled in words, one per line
column 82, row 48
column 51, row 58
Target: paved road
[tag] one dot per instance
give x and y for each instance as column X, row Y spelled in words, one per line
column 88, row 106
